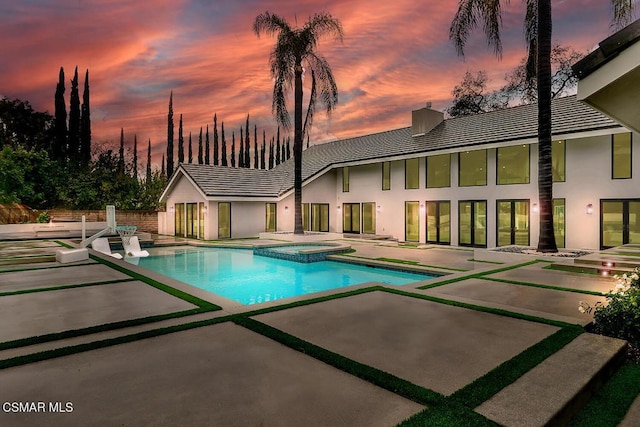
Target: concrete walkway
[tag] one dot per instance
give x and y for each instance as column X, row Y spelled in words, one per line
column 225, row 374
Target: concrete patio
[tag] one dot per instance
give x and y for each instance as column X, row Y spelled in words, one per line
column 225, row 374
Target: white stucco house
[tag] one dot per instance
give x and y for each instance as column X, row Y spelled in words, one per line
column 469, row 181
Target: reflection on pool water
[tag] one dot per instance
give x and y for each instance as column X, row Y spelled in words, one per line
column 239, row 275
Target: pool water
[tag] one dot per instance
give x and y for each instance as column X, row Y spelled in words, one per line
column 239, row 275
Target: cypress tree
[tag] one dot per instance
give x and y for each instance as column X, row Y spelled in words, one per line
column 288, row 147
column 255, row 146
column 74, row 121
column 233, row 149
column 307, row 140
column 224, row 148
column 170, row 138
column 247, row 142
column 162, row 169
column 149, row 164
column 85, row 125
column 135, row 156
column 60, row 148
column 207, row 148
column 180, row 143
column 190, row 150
column 263, row 150
column 241, row 153
column 271, row 154
column 277, row 152
column 283, row 154
column 121, row 154
column 200, row 159
column 215, row 140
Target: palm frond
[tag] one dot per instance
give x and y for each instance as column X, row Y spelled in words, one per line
column 270, row 24
column 466, row 19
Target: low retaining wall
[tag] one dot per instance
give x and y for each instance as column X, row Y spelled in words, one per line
column 144, row 220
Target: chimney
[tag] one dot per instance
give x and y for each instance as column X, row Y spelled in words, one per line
column 425, row 119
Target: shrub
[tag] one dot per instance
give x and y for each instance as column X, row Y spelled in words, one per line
column 620, row 317
column 44, row 217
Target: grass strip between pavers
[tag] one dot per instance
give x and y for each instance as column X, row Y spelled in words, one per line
column 206, row 305
column 497, row 311
column 483, row 388
column 55, row 336
column 447, row 415
column 61, row 287
column 80, row 348
column 539, row 285
column 416, row 263
column 610, row 404
column 48, row 267
column 375, row 376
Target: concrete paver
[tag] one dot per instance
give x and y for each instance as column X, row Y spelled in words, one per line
column 536, row 398
column 632, row 419
column 547, row 303
column 437, row 346
column 46, row 278
column 45, row 312
column 217, row 375
column 535, row 273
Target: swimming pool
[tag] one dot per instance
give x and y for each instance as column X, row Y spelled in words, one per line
column 239, row 275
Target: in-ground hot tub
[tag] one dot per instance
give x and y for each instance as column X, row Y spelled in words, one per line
column 301, row 252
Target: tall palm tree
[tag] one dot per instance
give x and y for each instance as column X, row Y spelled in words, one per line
column 538, row 32
column 294, row 48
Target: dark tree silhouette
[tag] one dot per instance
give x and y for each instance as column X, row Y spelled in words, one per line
column 190, row 150
column 215, row 140
column 170, row 138
column 121, row 154
column 148, row 175
column 162, row 168
column 60, row 145
column 135, row 156
column 255, row 146
column 247, row 142
column 223, row 155
column 233, row 149
column 263, row 149
column 207, row 148
column 295, row 47
column 241, row 153
column 180, row 143
column 74, row 121
column 271, row 159
column 85, row 124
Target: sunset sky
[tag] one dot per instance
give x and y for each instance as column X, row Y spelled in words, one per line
column 395, row 57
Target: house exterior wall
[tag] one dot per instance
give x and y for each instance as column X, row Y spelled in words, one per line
column 183, row 192
column 320, row 190
column 588, row 180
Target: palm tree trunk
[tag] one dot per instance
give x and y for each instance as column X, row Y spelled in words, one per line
column 297, row 150
column 547, row 241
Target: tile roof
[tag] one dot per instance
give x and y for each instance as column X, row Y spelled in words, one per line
column 512, row 124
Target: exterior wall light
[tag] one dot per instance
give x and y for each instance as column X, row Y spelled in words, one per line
column 378, row 208
column 339, row 207
column 535, row 208
column 286, row 210
column 422, row 209
column 171, row 209
column 589, row 209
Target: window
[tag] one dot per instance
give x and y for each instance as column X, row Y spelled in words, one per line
column 472, row 168
column 558, row 222
column 192, row 220
column 179, row 219
column 512, row 222
column 224, row 220
column 472, row 223
column 513, row 165
column 621, row 156
column 439, row 222
column 345, row 179
column 351, row 218
column 558, row 160
column 201, row 212
column 439, row 171
column 386, row 175
column 411, row 174
column 305, row 216
column 320, row 217
column 369, row 218
column 412, row 221
column 271, row 222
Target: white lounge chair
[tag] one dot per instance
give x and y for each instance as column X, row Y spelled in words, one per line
column 133, row 248
column 101, row 244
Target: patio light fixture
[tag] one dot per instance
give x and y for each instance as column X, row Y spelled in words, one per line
column 589, row 209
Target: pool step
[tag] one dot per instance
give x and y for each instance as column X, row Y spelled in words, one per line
column 558, row 388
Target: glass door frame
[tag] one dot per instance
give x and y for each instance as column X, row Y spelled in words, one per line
column 438, row 225
column 472, row 230
column 625, row 220
column 352, row 219
column 512, row 220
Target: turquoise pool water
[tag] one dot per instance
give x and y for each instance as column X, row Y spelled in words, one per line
column 239, row 275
